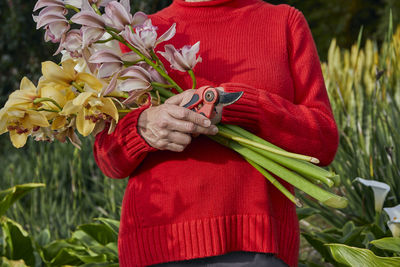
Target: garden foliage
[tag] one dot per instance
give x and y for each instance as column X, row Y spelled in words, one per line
column 364, row 87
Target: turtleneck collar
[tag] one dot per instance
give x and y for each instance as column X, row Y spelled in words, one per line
column 202, row 3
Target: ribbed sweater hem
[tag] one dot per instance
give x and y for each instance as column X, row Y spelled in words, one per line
column 197, row 239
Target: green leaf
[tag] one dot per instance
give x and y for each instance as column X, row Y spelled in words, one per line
column 18, row 243
column 54, row 248
column 4, row 262
column 353, row 256
column 303, row 213
column 113, row 224
column 388, row 243
column 9, row 196
column 103, row 234
column 318, row 245
column 43, row 238
column 104, row 264
column 66, row 257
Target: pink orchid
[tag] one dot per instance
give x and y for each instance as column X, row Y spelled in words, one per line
column 155, row 75
column 73, row 43
column 184, row 59
column 110, row 62
column 118, row 15
column 52, row 18
column 82, row 3
column 145, row 36
column 93, row 26
column 138, row 82
column 47, row 3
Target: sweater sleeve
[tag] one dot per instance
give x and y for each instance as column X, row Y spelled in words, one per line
column 119, row 153
column 306, row 125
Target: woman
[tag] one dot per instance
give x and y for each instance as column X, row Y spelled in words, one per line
column 193, row 199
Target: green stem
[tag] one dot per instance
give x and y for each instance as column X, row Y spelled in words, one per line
column 73, row 8
column 263, row 147
column 46, row 99
column 302, row 167
column 191, row 74
column 275, row 182
column 162, row 85
column 147, row 60
column 156, row 58
column 104, row 41
column 293, row 178
column 131, row 63
column 257, row 139
column 78, row 87
column 164, row 92
column 94, row 6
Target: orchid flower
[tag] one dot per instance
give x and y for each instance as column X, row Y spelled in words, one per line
column 394, row 220
column 184, row 59
column 118, row 15
column 72, row 43
column 90, row 109
column 380, row 191
column 144, row 38
column 81, row 3
column 19, row 117
column 93, row 26
column 66, row 75
column 110, row 62
column 47, row 3
column 138, row 82
column 52, row 18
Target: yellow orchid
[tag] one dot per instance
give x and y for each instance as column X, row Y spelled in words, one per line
column 23, row 97
column 20, row 122
column 89, row 110
column 66, row 75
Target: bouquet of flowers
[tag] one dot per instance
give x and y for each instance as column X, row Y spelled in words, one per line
column 95, row 85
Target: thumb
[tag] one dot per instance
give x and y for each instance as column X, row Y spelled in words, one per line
column 174, row 100
column 181, row 99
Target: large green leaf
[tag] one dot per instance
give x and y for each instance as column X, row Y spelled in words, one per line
column 103, row 234
column 9, row 196
column 388, row 243
column 303, row 213
column 53, row 249
column 18, row 243
column 113, row 224
column 359, row 257
column 318, row 244
column 4, row 262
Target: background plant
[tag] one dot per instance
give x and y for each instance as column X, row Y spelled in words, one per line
column 363, row 84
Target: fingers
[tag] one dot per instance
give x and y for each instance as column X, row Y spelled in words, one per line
column 185, row 114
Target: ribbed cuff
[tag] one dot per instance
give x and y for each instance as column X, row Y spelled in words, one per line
column 245, row 111
column 132, row 141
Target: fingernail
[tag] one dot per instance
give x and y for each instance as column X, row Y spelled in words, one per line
column 215, row 129
column 207, row 123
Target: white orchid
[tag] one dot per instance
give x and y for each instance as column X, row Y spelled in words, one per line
column 380, row 191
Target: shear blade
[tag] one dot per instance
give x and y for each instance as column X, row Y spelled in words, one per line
column 229, row 98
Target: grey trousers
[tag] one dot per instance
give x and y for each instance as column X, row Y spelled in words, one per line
column 232, row 259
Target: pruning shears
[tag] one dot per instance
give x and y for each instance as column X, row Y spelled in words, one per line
column 206, row 98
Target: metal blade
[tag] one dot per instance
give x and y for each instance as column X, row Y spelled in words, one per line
column 229, row 98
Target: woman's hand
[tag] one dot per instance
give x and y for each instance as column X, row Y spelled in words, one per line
column 170, row 126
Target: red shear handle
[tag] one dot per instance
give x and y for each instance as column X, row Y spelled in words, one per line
column 203, row 101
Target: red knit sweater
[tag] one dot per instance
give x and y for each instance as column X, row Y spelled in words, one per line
column 207, row 200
